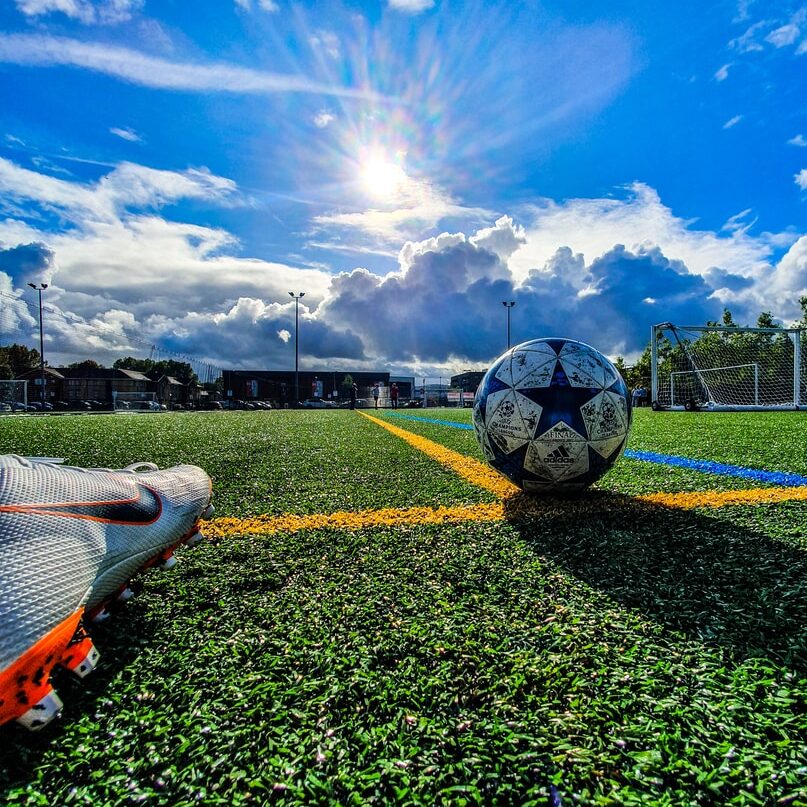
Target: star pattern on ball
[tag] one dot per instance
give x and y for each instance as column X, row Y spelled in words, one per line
column 552, row 415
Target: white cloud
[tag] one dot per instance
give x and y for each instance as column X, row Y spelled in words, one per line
column 783, row 36
column 732, row 122
column 747, row 43
column 327, row 42
column 324, row 119
column 152, row 71
column 801, row 179
column 639, row 221
column 798, row 140
column 264, row 5
column 739, row 223
column 601, row 270
column 417, row 205
column 86, row 11
column 779, row 34
column 126, row 134
column 742, row 11
column 411, row 6
column 127, row 186
column 723, row 73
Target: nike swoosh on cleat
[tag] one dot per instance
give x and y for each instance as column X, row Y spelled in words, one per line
column 142, row 509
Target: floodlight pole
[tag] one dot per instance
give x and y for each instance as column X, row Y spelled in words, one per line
column 508, row 306
column 39, row 289
column 296, row 346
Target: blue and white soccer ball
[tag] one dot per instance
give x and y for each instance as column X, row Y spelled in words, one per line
column 552, row 415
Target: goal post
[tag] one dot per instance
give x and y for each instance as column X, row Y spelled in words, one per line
column 727, row 368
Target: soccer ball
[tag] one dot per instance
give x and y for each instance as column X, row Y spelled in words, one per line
column 552, row 415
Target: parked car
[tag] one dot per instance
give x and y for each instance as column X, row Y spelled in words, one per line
column 318, row 403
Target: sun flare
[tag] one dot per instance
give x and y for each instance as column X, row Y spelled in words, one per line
column 382, row 178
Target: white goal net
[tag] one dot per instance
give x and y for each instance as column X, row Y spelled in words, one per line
column 13, row 395
column 718, row 367
column 135, row 402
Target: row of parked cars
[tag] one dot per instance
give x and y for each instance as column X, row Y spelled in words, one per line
column 84, row 406
column 361, row 403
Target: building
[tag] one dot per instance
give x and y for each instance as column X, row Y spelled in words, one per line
column 468, row 380
column 278, row 386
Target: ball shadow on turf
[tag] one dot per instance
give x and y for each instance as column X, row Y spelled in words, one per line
column 717, row 581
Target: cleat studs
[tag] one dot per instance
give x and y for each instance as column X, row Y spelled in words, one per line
column 81, row 658
column 42, row 712
column 100, row 617
column 167, row 561
column 194, row 539
column 208, row 512
column 124, row 594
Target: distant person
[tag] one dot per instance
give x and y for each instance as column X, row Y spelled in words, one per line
column 393, row 395
column 642, row 396
column 354, row 391
column 376, row 393
column 635, row 395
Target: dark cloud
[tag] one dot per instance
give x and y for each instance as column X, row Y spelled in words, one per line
column 28, row 263
column 446, row 304
column 255, row 335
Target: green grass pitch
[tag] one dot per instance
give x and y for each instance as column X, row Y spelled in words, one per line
column 624, row 654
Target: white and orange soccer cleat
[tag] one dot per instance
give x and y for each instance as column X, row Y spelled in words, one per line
column 70, row 540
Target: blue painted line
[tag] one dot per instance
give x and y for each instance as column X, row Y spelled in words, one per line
column 781, row 478
column 453, row 424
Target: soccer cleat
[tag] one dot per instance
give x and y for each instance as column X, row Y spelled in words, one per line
column 71, row 539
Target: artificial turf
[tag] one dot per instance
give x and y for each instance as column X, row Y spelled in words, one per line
column 603, row 651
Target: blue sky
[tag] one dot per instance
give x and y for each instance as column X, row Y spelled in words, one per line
column 174, row 169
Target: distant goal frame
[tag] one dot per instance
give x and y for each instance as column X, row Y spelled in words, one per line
column 662, row 383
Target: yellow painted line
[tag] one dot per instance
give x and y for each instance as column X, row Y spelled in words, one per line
column 474, row 471
column 723, row 498
column 510, row 508
column 387, row 517
column 484, row 476
column 515, row 509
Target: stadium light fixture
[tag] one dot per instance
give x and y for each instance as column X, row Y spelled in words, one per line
column 296, row 346
column 508, row 306
column 39, row 289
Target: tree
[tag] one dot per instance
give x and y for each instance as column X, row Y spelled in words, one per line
column 87, row 364
column 19, row 359
column 180, row 370
column 765, row 320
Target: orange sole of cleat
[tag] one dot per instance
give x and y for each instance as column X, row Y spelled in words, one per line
column 25, row 684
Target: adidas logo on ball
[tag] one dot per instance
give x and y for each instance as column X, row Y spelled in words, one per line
column 560, row 456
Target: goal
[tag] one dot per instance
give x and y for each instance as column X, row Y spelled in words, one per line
column 724, row 368
column 14, row 394
column 135, row 402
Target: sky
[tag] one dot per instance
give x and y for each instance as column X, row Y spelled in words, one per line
column 173, row 170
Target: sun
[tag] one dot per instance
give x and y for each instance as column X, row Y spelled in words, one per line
column 382, row 178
